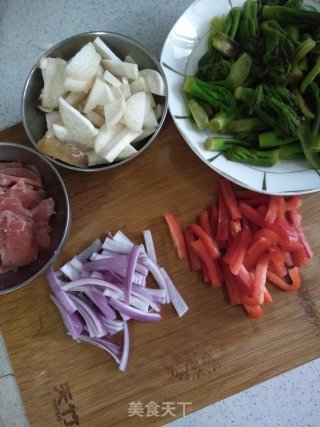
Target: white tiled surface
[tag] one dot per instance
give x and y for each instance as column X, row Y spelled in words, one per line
column 292, row 399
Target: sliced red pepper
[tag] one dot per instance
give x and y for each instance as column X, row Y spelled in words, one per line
column 237, row 250
column 252, row 214
column 223, row 221
column 296, row 220
column 193, row 259
column 277, row 261
column 264, row 232
column 254, row 311
column 209, row 243
column 267, row 297
column 254, row 252
column 214, row 220
column 176, row 235
column 293, row 202
column 231, row 285
column 211, row 265
column 235, row 227
column 274, row 208
column 294, row 274
column 299, row 257
column 260, row 277
column 227, row 193
column 204, row 222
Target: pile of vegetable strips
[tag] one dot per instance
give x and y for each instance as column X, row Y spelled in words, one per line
column 98, row 291
column 258, row 83
column 245, row 241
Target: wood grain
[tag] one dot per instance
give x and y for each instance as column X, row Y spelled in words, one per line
column 212, row 352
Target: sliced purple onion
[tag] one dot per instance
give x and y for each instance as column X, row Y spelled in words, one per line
column 131, row 266
column 175, row 297
column 158, row 277
column 60, row 294
column 72, row 321
column 98, row 344
column 94, row 247
column 107, row 282
column 148, row 241
column 134, row 313
column 126, row 346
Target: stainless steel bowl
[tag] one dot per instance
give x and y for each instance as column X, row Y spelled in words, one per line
column 60, row 221
column 34, row 119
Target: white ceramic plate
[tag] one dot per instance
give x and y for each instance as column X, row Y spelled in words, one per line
column 184, row 46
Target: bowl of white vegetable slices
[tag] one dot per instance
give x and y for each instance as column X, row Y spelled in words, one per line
column 94, row 101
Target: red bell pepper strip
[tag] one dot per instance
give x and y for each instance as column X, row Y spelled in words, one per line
column 209, row 243
column 299, row 257
column 204, row 222
column 254, row 311
column 214, row 220
column 276, row 207
column 277, row 261
column 231, row 285
column 234, row 228
column 223, row 221
column 294, row 274
column 237, row 250
column 193, row 259
column 254, row 252
column 252, row 214
column 267, row 297
column 211, row 265
column 296, row 220
column 227, row 193
column 176, row 235
column 294, row 202
column 260, row 277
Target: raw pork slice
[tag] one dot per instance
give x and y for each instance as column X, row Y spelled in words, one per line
column 25, row 213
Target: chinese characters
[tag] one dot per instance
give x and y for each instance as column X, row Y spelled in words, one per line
column 64, row 407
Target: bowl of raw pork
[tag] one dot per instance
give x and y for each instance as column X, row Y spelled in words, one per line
column 94, row 101
column 34, row 215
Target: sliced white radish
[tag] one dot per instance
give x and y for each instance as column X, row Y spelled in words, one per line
column 128, row 58
column 84, row 64
column 144, row 134
column 94, row 159
column 118, row 143
column 115, row 109
column 150, row 120
column 110, row 78
column 75, row 85
column 134, row 111
column 122, row 69
column 138, row 85
column 53, row 72
column 150, row 100
column 154, row 81
column 52, row 118
column 104, row 50
column 80, row 128
column 104, row 136
column 98, row 89
column 128, row 151
column 125, row 87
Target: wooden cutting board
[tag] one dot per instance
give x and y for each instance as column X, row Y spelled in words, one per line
column 178, row 365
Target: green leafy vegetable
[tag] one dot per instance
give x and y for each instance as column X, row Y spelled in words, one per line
column 258, row 83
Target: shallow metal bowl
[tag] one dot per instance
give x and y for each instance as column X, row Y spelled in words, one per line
column 34, row 120
column 60, row 221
